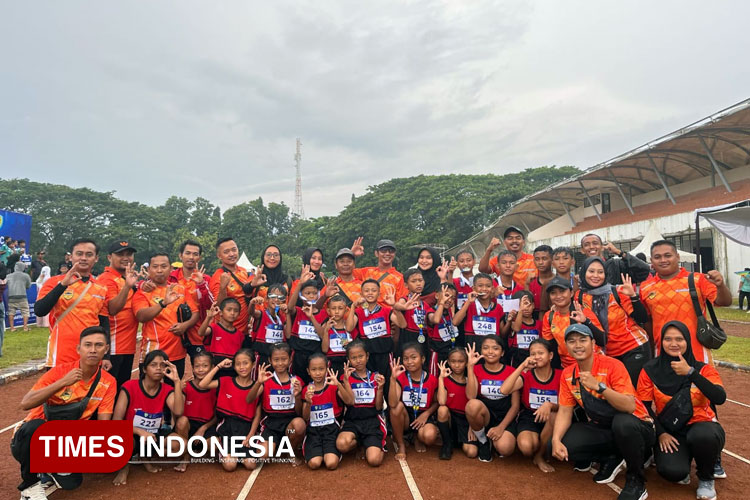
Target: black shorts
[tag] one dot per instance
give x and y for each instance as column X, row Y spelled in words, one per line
column 195, row 425
column 525, row 422
column 232, row 426
column 367, row 431
column 460, row 429
column 336, row 363
column 496, row 418
column 320, row 441
column 275, row 426
column 430, row 420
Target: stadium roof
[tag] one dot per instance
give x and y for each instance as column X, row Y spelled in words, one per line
column 713, row 145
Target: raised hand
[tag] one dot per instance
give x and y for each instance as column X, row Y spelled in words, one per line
column 225, row 363
column 306, row 274
column 577, row 314
column 296, row 387
column 264, row 373
column 397, row 368
column 412, row 302
column 283, row 308
column 72, row 276
column 332, row 378
column 197, row 275
column 171, row 372
column 148, row 286
column 442, row 271
column 257, row 301
column 473, row 355
column 214, row 311
column 528, row 364
column 390, row 296
column 331, row 287
column 259, row 279
column 588, row 380
column 224, row 280
column 348, row 369
column 171, row 294
column 494, row 243
column 309, row 393
column 445, row 370
column 380, row 380
column 357, row 248
column 131, row 276
column 627, row 285
column 472, row 296
column 72, row 376
column 308, row 310
column 680, row 367
column 452, row 265
column 715, row 277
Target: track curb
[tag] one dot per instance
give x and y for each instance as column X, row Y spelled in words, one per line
column 732, row 366
column 16, row 372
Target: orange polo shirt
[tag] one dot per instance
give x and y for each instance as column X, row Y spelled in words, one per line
column 156, row 334
column 394, row 281
column 234, row 290
column 352, row 289
column 192, row 289
column 668, row 300
column 556, row 332
column 624, row 333
column 526, row 267
column 123, row 327
column 64, row 335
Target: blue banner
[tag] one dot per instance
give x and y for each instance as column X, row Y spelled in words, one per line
column 15, row 225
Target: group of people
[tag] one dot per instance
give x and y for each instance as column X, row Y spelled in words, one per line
column 600, row 366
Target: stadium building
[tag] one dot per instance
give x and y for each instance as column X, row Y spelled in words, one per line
column 652, row 190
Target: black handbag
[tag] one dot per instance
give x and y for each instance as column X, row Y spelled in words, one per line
column 183, row 314
column 598, row 410
column 677, row 412
column 71, row 411
column 710, row 335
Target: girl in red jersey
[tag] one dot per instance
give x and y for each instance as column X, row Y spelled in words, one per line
column 303, row 324
column 444, row 335
column 524, row 329
column 270, row 321
column 451, row 395
column 226, row 340
column 412, row 402
column 143, row 401
column 199, row 416
column 481, row 315
column 237, row 416
column 279, row 393
column 325, row 398
column 491, row 414
column 417, row 313
column 334, row 334
column 539, row 384
column 465, row 282
column 363, row 423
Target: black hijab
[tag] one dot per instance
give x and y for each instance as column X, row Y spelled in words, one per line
column 431, row 278
column 660, row 369
column 318, row 279
column 599, row 295
column 273, row 275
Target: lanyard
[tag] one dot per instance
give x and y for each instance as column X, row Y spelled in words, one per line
column 415, row 399
column 366, row 380
column 466, row 282
column 419, row 317
column 340, row 336
column 512, row 287
column 368, row 313
column 481, row 310
column 276, row 378
column 447, row 321
column 276, row 321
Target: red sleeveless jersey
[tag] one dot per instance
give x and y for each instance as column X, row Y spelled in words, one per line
column 419, row 313
column 535, row 392
column 337, row 340
column 463, row 288
column 457, row 399
column 231, row 400
column 412, row 396
column 270, row 330
column 145, row 411
column 480, row 323
column 200, row 404
column 488, row 387
column 223, row 342
column 326, row 407
column 278, row 398
column 526, row 335
column 364, row 389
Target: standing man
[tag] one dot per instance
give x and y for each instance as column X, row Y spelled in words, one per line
column 120, row 280
column 74, row 302
column 22, row 252
column 514, row 241
column 592, row 246
column 37, row 265
column 666, row 295
column 384, row 273
column 744, row 289
column 162, row 312
column 18, row 282
column 195, row 283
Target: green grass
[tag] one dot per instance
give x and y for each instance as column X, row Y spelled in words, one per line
column 732, row 313
column 736, row 350
column 20, row 346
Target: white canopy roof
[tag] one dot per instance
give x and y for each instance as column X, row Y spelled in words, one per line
column 652, row 235
column 732, row 220
column 245, row 262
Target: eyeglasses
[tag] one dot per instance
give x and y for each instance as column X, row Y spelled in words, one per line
column 277, row 296
column 273, row 255
column 387, row 250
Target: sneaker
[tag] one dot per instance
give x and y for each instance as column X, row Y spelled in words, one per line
column 719, row 472
column 34, row 492
column 582, row 466
column 649, row 461
column 686, row 480
column 608, row 470
column 706, row 490
column 485, row 451
column 635, row 489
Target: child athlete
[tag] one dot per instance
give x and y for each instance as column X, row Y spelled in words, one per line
column 226, row 340
column 451, row 394
column 279, row 392
column 199, row 417
column 334, row 334
column 481, row 315
column 411, row 401
column 491, row 414
column 465, row 280
column 564, row 263
column 417, row 313
column 325, row 398
column 237, row 416
column 524, row 328
column 444, row 336
column 539, row 384
column 269, row 321
column 303, row 324
column 143, row 400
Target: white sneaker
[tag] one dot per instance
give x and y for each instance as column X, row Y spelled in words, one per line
column 34, row 492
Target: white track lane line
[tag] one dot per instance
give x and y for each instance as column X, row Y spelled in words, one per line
column 245, row 491
column 738, row 457
column 738, row 403
column 10, row 427
column 612, row 485
column 415, row 494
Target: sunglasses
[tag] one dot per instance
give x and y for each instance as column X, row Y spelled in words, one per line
column 273, row 296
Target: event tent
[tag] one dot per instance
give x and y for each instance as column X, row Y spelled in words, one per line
column 652, row 235
column 243, row 261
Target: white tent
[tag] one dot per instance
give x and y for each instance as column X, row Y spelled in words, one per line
column 245, row 262
column 732, row 220
column 652, row 235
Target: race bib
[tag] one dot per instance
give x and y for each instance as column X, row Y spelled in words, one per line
column 337, row 343
column 149, row 422
column 490, row 389
column 281, row 399
column 461, row 299
column 363, row 393
column 307, row 331
column 509, row 305
column 374, row 328
column 484, row 325
column 406, row 397
column 274, row 334
column 322, row 415
column 445, row 335
column 526, row 337
column 537, row 397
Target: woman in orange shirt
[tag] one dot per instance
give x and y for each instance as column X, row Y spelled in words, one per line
column 683, row 390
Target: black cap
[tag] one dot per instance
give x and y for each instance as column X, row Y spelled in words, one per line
column 580, row 329
column 558, row 282
column 385, row 244
column 512, row 229
column 344, row 251
column 120, row 246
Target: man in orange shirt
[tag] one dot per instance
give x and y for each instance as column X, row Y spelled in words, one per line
column 65, row 384
column 120, row 279
column 345, row 283
column 74, row 301
column 514, row 241
column 619, row 431
column 195, row 282
column 384, row 273
column 666, row 295
column 158, row 311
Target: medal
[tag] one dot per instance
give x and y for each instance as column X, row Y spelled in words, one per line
column 419, row 317
column 415, row 396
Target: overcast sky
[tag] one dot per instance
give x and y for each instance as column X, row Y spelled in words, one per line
column 153, row 98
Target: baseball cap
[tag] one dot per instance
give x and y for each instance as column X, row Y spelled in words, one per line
column 385, row 244
column 558, row 282
column 512, row 229
column 344, row 251
column 580, row 329
column 120, row 246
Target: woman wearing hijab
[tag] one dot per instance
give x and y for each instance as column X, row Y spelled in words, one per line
column 271, row 260
column 44, row 275
column 619, row 311
column 683, row 391
column 313, row 257
column 429, row 264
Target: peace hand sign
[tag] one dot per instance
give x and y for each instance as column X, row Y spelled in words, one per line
column 306, row 274
column 627, row 285
column 357, row 248
column 259, row 279
column 473, row 355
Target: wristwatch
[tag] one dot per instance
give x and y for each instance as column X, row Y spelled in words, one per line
column 602, row 387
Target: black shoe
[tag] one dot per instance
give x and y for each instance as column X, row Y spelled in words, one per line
column 635, row 489
column 446, row 450
column 485, row 451
column 582, row 466
column 608, row 470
